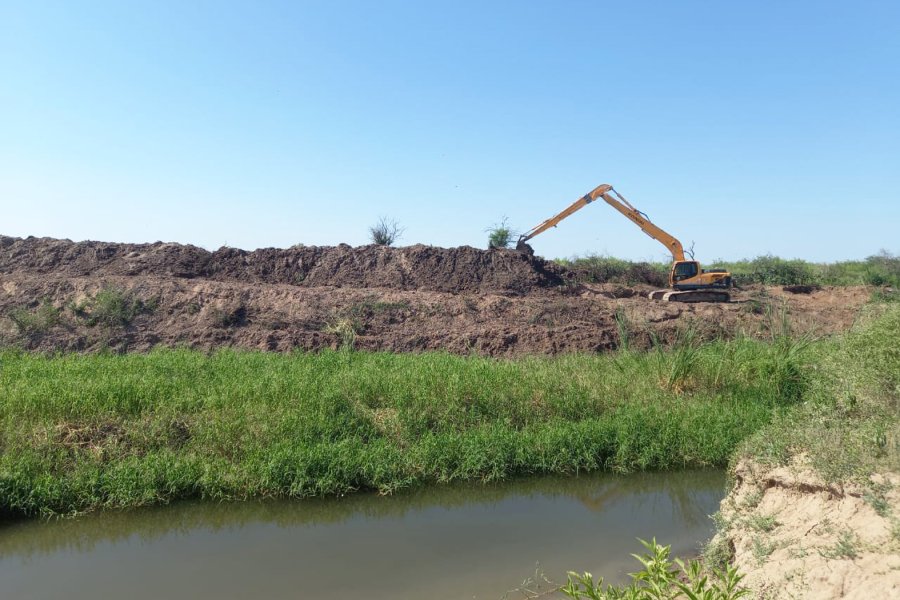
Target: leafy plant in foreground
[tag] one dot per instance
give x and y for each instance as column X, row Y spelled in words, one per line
column 662, row 578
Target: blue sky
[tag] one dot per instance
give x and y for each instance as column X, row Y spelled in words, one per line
column 745, row 127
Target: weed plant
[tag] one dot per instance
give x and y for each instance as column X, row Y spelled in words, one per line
column 661, row 578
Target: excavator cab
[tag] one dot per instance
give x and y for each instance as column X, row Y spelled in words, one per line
column 684, row 269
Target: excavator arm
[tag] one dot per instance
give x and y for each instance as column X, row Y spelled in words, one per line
column 617, row 201
column 690, row 283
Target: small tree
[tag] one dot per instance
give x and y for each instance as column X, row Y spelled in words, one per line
column 385, row 232
column 690, row 250
column 500, row 235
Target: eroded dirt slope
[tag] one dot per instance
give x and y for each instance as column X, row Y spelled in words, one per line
column 462, row 300
column 795, row 536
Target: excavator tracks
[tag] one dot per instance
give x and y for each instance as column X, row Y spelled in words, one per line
column 690, row 296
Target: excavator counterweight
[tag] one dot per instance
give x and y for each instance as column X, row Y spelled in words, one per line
column 687, row 280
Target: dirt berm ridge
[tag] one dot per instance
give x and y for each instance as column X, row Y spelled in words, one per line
column 414, row 299
column 418, row 267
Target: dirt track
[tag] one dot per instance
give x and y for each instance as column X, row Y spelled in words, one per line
column 462, row 300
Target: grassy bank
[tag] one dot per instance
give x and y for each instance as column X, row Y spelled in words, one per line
column 848, row 424
column 845, row 427
column 878, row 270
column 84, row 431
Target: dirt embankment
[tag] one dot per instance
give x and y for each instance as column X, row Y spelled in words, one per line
column 462, row 300
column 427, row 268
column 794, row 536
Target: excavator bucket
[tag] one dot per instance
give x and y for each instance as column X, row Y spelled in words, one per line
column 524, row 248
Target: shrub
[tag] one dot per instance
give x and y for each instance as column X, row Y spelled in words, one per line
column 606, row 269
column 385, row 232
column 771, row 270
column 882, row 269
column 230, row 314
column 113, row 307
column 500, row 235
column 39, row 321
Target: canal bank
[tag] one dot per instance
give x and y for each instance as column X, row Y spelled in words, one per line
column 813, row 511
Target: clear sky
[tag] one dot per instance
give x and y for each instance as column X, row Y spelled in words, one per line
column 745, row 127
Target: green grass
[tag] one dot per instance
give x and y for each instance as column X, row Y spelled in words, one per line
column 847, row 547
column 762, row 523
column 845, row 426
column 848, row 423
column 79, row 432
column 882, row 269
column 84, row 431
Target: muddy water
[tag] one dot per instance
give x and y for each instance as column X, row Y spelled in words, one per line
column 454, row 542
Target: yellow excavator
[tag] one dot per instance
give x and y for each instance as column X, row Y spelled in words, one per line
column 688, row 282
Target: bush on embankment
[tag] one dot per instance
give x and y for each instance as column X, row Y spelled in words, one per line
column 84, row 431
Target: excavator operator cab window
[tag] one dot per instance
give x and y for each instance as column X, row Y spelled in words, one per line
column 685, row 270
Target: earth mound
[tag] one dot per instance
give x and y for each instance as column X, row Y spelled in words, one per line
column 58, row 295
column 419, row 267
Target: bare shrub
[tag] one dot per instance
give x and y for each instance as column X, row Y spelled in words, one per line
column 385, row 232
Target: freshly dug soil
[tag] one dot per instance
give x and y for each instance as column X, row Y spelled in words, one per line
column 416, row 267
column 461, row 300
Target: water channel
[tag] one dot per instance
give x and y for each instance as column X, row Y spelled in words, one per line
column 443, row 542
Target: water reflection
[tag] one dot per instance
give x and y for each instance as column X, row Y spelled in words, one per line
column 460, row 541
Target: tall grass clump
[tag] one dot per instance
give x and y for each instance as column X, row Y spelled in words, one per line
column 86, row 431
